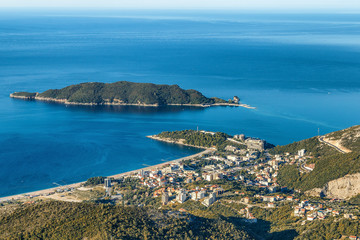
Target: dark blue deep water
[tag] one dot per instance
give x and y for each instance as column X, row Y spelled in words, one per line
column 302, row 72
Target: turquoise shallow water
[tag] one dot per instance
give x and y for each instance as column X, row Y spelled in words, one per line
column 300, row 71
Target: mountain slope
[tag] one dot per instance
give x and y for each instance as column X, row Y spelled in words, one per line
column 330, row 164
column 64, row 220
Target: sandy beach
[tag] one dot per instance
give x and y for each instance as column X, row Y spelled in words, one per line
column 47, row 191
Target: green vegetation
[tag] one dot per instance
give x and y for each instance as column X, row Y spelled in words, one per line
column 64, row 220
column 24, row 94
column 329, row 229
column 127, row 93
column 279, row 223
column 350, row 137
column 289, row 176
column 329, row 163
column 326, row 169
column 196, row 138
column 95, row 181
column 355, row 200
column 203, row 139
column 312, row 145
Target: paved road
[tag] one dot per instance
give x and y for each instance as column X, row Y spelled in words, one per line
column 302, row 167
column 321, row 139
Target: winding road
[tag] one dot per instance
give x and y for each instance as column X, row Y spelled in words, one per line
column 321, row 139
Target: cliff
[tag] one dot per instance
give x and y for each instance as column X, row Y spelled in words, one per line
column 341, row 188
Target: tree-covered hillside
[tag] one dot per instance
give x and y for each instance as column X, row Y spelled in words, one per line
column 329, row 163
column 349, row 137
column 24, row 94
column 127, row 93
column 64, row 220
column 312, row 145
column 327, row 168
column 197, row 138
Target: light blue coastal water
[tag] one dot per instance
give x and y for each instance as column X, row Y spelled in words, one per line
column 302, row 72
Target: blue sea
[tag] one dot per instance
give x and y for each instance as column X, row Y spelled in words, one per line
column 300, row 71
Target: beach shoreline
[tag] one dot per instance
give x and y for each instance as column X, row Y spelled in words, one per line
column 46, row 192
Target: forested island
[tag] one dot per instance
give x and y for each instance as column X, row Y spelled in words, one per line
column 126, row 93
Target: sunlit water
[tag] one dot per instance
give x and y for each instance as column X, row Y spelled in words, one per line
column 302, row 72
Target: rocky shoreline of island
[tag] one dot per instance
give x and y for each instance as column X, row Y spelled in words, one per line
column 66, row 102
column 125, row 93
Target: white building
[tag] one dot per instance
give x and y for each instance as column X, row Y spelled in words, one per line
column 181, row 197
column 165, row 198
column 209, row 200
column 301, row 152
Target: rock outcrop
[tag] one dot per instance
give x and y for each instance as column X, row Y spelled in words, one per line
column 341, row 188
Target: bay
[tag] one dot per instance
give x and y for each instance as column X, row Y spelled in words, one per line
column 300, row 71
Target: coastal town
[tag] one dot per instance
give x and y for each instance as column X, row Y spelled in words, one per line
column 239, row 178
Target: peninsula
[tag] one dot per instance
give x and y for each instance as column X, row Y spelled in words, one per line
column 239, row 187
column 127, row 93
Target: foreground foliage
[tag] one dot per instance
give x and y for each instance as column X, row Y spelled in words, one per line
column 64, row 220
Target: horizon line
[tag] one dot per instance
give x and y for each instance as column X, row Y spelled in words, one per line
column 239, row 10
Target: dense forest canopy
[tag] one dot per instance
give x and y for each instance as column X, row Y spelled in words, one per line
column 64, row 220
column 197, row 138
column 126, row 93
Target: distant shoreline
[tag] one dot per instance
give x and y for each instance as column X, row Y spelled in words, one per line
column 66, row 102
column 128, row 173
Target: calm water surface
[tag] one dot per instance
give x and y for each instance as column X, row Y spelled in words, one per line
column 302, row 72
